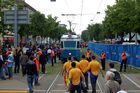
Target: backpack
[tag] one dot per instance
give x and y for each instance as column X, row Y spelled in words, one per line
column 117, row 77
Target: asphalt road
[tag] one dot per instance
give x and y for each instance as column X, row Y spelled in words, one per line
column 54, row 84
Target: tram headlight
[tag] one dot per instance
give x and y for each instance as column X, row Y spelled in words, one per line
column 69, row 54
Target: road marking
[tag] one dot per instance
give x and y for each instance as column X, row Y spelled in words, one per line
column 131, row 81
column 13, row 91
column 65, row 90
column 99, row 86
column 52, row 83
column 64, row 85
column 41, row 76
column 133, row 91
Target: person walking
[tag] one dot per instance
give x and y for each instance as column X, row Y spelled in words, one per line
column 123, row 62
column 65, row 72
column 42, row 61
column 88, row 55
column 31, row 71
column 10, row 65
column 75, row 76
column 93, row 68
column 103, row 57
column 1, row 67
column 16, row 60
column 83, row 64
column 111, row 85
column 117, row 76
column 38, row 69
column 23, row 60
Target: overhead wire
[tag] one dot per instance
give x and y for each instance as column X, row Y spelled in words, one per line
column 81, row 14
column 97, row 10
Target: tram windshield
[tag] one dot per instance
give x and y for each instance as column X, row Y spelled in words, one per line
column 69, row 44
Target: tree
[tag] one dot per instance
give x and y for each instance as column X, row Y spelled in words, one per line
column 85, row 35
column 121, row 18
column 94, row 31
column 38, row 24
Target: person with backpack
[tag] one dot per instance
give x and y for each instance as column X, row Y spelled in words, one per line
column 111, row 85
column 117, row 76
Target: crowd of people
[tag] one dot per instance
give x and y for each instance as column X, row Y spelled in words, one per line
column 31, row 59
column 76, row 74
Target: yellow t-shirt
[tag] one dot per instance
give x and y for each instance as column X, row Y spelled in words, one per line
column 83, row 64
column 94, row 67
column 77, row 64
column 67, row 66
column 75, row 76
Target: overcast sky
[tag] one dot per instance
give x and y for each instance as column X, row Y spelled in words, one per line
column 79, row 23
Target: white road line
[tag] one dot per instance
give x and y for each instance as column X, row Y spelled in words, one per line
column 133, row 91
column 64, row 85
column 41, row 77
column 65, row 90
column 99, row 86
column 52, row 83
column 131, row 81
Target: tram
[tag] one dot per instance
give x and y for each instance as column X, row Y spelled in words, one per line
column 70, row 46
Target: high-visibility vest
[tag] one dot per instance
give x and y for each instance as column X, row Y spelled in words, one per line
column 88, row 54
column 124, row 57
column 103, row 56
column 37, row 64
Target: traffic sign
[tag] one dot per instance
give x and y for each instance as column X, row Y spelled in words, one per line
column 22, row 17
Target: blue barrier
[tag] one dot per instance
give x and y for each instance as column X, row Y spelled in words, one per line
column 114, row 51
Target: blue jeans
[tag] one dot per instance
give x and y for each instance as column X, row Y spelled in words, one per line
column 10, row 72
column 93, row 80
column 36, row 78
column 1, row 73
column 30, row 79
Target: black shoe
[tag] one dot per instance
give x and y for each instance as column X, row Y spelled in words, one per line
column 3, row 79
column 30, row 91
column 37, row 84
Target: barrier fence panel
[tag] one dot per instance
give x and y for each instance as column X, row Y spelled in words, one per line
column 114, row 51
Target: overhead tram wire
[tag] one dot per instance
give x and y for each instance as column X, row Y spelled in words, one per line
column 97, row 12
column 81, row 13
column 68, row 8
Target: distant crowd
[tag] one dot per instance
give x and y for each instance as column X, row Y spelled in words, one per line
column 27, row 59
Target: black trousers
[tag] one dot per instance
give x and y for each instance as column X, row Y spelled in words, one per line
column 17, row 67
column 103, row 63
column 43, row 68
column 86, row 79
column 123, row 63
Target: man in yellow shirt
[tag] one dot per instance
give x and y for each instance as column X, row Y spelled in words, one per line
column 94, row 67
column 83, row 64
column 73, row 59
column 75, row 76
column 65, row 72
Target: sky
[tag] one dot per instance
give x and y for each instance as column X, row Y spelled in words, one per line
column 85, row 11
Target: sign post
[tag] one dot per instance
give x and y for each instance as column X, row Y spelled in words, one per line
column 16, row 17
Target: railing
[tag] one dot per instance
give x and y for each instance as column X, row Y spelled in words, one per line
column 114, row 51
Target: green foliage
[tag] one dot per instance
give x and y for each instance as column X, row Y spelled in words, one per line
column 93, row 32
column 121, row 18
column 38, row 24
column 85, row 35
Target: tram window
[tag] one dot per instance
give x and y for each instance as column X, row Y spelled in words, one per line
column 61, row 44
column 69, row 44
column 78, row 44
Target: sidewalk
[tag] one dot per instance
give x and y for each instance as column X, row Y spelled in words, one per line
column 12, row 85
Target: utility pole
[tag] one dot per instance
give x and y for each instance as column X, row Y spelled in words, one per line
column 70, row 23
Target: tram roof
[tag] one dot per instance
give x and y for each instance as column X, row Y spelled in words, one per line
column 70, row 36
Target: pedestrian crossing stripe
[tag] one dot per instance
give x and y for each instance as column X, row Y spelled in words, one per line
column 13, row 91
